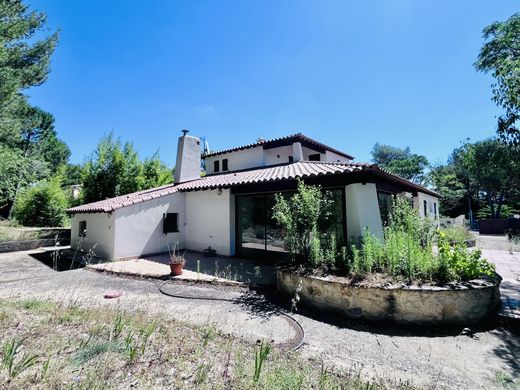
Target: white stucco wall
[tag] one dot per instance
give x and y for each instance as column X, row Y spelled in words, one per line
column 418, row 204
column 362, row 210
column 100, row 233
column 278, row 155
column 210, row 221
column 139, row 228
column 241, row 159
column 334, row 157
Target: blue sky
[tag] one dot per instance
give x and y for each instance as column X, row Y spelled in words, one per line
column 348, row 73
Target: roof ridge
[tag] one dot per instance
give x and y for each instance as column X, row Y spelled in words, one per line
column 262, row 142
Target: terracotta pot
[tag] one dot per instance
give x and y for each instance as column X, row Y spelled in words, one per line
column 176, row 269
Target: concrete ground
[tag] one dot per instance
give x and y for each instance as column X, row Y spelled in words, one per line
column 429, row 358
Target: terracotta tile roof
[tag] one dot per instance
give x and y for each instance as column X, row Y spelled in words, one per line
column 299, row 137
column 301, row 169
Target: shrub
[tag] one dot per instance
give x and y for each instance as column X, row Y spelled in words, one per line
column 407, row 252
column 457, row 234
column 300, row 217
column 41, row 205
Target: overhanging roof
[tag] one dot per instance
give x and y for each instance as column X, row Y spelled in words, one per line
column 277, row 173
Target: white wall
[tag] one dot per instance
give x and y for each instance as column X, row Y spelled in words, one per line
column 362, row 210
column 100, row 232
column 334, row 157
column 139, row 228
column 210, row 221
column 418, row 204
column 278, row 155
column 241, row 159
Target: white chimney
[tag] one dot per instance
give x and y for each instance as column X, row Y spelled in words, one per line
column 297, row 151
column 187, row 167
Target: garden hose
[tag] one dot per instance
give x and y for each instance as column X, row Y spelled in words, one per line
column 300, row 333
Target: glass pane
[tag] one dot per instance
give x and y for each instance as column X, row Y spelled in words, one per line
column 251, row 222
column 274, row 233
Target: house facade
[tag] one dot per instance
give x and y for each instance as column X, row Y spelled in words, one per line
column 230, row 208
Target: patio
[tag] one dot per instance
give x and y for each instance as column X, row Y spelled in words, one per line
column 198, row 268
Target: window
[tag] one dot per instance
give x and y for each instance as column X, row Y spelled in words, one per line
column 216, row 166
column 225, row 164
column 425, row 208
column 82, row 228
column 385, row 206
column 435, row 209
column 314, row 157
column 170, row 223
column 291, row 159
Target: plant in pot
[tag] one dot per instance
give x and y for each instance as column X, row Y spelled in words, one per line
column 177, row 261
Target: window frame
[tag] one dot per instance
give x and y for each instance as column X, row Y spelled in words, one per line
column 166, row 221
column 216, row 166
column 225, row 165
column 82, row 232
column 312, row 157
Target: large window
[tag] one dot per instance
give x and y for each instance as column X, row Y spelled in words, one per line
column 385, row 206
column 258, row 232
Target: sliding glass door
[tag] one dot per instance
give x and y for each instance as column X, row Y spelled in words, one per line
column 258, row 234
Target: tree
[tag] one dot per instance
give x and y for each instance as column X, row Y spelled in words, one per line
column 401, row 162
column 489, row 170
column 27, row 133
column 500, row 55
column 115, row 169
column 445, row 181
column 43, row 204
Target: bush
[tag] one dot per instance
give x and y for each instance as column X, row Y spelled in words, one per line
column 300, row 217
column 457, row 234
column 407, row 252
column 41, row 205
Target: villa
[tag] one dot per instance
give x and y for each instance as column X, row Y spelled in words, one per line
column 229, row 208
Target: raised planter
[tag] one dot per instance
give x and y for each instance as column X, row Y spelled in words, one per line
column 466, row 303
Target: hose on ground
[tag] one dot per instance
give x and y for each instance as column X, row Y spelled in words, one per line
column 298, row 328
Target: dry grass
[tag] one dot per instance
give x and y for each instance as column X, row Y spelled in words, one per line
column 69, row 347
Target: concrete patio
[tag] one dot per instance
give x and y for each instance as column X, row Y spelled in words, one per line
column 198, row 268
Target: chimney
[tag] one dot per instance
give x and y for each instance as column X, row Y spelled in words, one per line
column 187, row 167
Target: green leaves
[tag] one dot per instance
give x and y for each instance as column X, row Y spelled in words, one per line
column 401, row 162
column 115, row 169
column 500, row 55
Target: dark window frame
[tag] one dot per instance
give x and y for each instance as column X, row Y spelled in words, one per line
column 216, row 166
column 82, row 228
column 425, row 208
column 170, row 223
column 315, row 157
column 225, row 166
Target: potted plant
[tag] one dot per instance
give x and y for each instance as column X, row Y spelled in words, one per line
column 177, row 261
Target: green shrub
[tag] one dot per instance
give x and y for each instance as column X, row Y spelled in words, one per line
column 41, row 205
column 406, row 252
column 300, row 217
column 457, row 234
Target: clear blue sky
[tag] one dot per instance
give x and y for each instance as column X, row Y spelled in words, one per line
column 348, row 73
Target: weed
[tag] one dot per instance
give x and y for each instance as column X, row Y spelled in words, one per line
column 14, row 366
column 201, row 373
column 208, row 333
column 260, row 357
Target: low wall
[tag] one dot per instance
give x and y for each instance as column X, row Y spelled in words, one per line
column 37, row 238
column 409, row 305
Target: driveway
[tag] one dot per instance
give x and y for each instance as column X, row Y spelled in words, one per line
column 429, row 359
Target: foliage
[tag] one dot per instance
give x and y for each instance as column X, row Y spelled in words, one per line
column 489, row 173
column 401, row 162
column 407, row 252
column 30, row 150
column 500, row 56
column 457, row 234
column 43, row 204
column 115, row 169
column 446, row 182
column 260, row 357
column 300, row 216
column 505, row 212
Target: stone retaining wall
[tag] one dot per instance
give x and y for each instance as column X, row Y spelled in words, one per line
column 46, row 237
column 468, row 304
